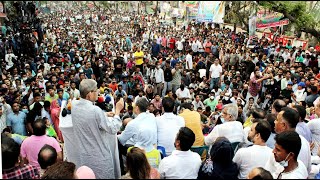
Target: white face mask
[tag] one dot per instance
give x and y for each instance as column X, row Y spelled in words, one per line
column 222, row 120
column 284, row 163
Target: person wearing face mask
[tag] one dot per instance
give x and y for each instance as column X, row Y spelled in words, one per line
column 286, row 152
column 257, row 154
column 286, row 121
column 158, row 79
column 230, row 128
column 211, row 101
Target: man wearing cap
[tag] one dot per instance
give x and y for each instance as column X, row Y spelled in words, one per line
column 287, row 93
column 300, row 94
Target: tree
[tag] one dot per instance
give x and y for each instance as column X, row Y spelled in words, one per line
column 296, row 12
column 102, row 5
column 238, row 12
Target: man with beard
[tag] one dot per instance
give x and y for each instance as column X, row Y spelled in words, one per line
column 246, row 158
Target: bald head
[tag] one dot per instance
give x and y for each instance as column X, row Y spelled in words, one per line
column 259, row 173
column 277, row 105
column 47, row 156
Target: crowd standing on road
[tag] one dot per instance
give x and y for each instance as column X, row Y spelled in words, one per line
column 106, row 96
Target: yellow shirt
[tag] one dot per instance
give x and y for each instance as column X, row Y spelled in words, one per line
column 193, row 121
column 140, row 54
column 102, row 89
column 133, row 105
column 248, row 122
column 50, row 99
column 153, row 156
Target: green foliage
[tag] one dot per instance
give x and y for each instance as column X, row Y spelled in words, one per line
column 297, row 13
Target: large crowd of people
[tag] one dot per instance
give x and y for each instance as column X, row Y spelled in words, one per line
column 124, row 95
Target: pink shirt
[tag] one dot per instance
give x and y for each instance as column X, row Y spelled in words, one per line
column 32, row 145
column 130, row 64
column 157, row 104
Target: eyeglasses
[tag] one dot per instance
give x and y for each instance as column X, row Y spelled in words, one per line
column 96, row 91
column 224, row 112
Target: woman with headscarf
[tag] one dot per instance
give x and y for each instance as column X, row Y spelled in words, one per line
column 220, row 164
column 55, row 112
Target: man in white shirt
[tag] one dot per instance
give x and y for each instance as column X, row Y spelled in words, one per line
column 286, row 55
column 74, row 92
column 314, row 127
column 284, row 81
column 183, row 93
column 159, row 79
column 286, row 152
column 230, row 128
column 189, row 61
column 256, row 155
column 197, row 103
column 182, row 163
column 143, row 122
column 300, row 94
column 168, row 126
column 179, row 45
column 215, row 73
column 287, row 120
column 145, row 37
column 194, row 46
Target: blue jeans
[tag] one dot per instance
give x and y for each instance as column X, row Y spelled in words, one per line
column 167, row 86
column 214, row 82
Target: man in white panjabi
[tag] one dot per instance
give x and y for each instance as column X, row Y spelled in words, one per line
column 95, row 133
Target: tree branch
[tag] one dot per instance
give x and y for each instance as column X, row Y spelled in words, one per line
column 279, row 8
column 237, row 10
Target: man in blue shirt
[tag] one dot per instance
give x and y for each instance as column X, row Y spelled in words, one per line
column 155, row 48
column 16, row 120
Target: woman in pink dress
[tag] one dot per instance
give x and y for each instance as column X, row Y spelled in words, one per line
column 55, row 112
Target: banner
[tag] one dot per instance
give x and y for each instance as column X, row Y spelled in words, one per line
column 267, row 19
column 252, row 27
column 284, row 39
column 272, row 24
column 191, row 3
column 211, row 11
column 192, row 12
column 218, row 13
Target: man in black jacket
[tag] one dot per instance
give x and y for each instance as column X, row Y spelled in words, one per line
column 118, row 64
column 167, row 78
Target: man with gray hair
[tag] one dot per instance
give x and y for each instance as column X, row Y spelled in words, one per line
column 230, row 128
column 95, row 132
